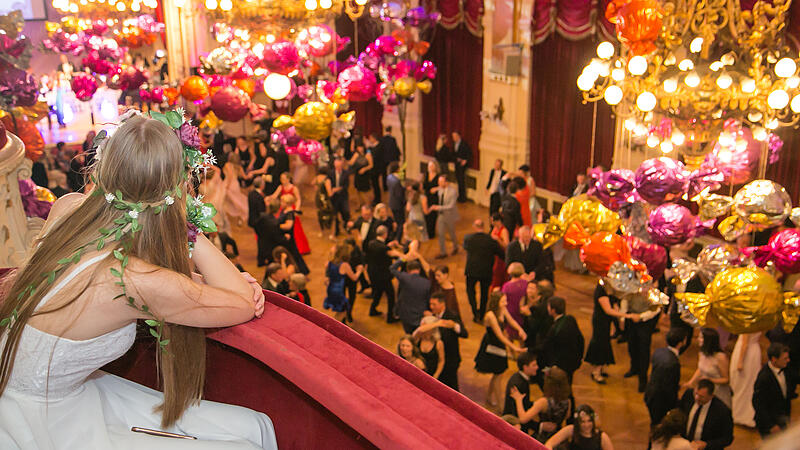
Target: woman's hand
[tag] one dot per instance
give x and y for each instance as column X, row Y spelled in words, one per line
column 547, row 427
column 523, row 335
column 258, row 294
column 516, row 394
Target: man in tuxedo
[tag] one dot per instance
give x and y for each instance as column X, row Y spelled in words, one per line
column 365, row 225
column 563, row 345
column 494, row 186
column 526, row 363
column 391, row 152
column 447, row 215
column 580, row 186
column 661, row 392
column 510, row 208
column 771, row 392
column 451, row 330
column 481, row 249
column 255, row 202
column 397, row 197
column 379, row 260
column 463, row 156
column 275, row 279
column 710, row 424
column 337, row 185
column 269, row 233
column 527, row 252
column 414, row 292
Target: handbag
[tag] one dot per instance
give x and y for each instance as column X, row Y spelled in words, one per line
column 497, row 351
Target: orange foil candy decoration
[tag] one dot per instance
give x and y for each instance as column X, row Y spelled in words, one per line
column 638, row 23
column 194, row 88
column 248, row 85
column 599, row 250
column 172, row 95
column 27, row 132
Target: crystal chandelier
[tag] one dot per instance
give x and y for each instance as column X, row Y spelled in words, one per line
column 710, row 62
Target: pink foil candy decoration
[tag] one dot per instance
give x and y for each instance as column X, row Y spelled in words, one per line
column 706, row 178
column 386, row 45
column 426, row 70
column 84, row 86
column 783, row 249
column 358, row 83
column 614, row 188
column 281, row 57
column 671, row 224
column 317, row 40
column 230, row 104
column 653, row 256
column 660, row 180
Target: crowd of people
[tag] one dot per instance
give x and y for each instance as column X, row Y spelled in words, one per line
column 510, row 288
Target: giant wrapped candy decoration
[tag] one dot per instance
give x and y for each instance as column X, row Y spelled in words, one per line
column 653, row 256
column 27, row 132
column 713, row 259
column 131, row 78
column 602, row 249
column 762, row 203
column 17, row 87
column 671, row 224
column 638, row 23
column 312, row 120
column 218, row 62
column 736, row 153
column 357, row 83
column 194, row 88
column 660, row 180
column 230, row 104
column 614, row 188
column 84, row 86
column 741, row 299
column 584, row 210
column 319, row 40
column 36, row 200
column 281, row 57
column 783, row 249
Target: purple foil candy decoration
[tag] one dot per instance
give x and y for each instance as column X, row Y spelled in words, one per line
column 18, row 88
column 705, row 178
column 660, row 180
column 672, row 224
column 386, row 45
column 32, row 205
column 614, row 188
column 653, row 256
column 783, row 249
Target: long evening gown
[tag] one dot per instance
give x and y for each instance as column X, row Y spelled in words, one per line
column 499, row 273
column 57, row 398
column 742, row 381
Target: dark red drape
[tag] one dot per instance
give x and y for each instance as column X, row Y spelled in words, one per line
column 454, row 104
column 369, row 114
column 561, row 125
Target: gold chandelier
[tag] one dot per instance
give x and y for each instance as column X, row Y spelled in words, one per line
column 711, row 62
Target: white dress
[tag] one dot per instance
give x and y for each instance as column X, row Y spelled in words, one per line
column 742, row 381
column 57, row 398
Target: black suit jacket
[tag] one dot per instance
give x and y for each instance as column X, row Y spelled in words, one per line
column 481, row 249
column 522, row 385
column 768, row 400
column 391, row 152
column 443, row 156
column 511, row 212
column 378, row 260
column 373, row 226
column 718, row 428
column 255, row 207
column 344, row 180
column 462, row 152
column 665, row 379
column 269, row 235
column 495, row 173
column 452, row 349
column 563, row 345
column 531, row 258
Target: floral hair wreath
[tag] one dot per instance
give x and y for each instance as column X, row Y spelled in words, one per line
column 199, row 216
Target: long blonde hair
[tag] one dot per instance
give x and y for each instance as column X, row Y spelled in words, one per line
column 142, row 160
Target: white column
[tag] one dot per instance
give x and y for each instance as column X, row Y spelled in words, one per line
column 188, row 35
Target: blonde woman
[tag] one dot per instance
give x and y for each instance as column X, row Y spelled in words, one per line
column 431, row 347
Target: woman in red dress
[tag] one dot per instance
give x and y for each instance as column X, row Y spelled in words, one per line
column 500, row 234
column 287, row 188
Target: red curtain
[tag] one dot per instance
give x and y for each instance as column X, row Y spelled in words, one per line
column 454, row 104
column 369, row 114
column 561, row 125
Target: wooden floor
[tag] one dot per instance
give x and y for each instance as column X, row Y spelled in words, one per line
column 620, row 407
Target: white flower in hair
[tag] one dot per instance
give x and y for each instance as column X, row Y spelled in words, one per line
column 133, row 213
column 130, row 113
column 182, row 112
column 198, row 201
column 206, row 211
column 110, row 197
column 169, row 200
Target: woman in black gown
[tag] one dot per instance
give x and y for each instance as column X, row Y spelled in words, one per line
column 599, row 353
column 431, row 187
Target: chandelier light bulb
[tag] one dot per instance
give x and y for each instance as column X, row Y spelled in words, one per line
column 760, row 134
column 120, row 7
column 696, row 45
column 613, row 95
column 225, row 5
column 678, row 138
column 277, row 86
column 617, row 74
column 772, row 124
column 325, row 4
column 585, row 81
column 666, row 147
column 778, row 99
column 755, row 116
column 270, row 38
column 785, row 67
column 692, row 79
column 741, row 145
column 685, row 64
column 135, row 7
column 793, row 82
column 652, row 141
column 629, row 124
column 311, row 5
column 728, row 59
column 724, row 81
column 670, row 85
column 637, row 65
column 670, row 60
column 646, row 101
column 361, row 2
column 211, row 5
column 725, row 139
column 640, row 130
column 795, row 104
column 748, row 85
column 716, row 65
column 605, row 50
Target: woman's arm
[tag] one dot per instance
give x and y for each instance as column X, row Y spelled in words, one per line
column 724, row 369
column 562, row 435
column 501, row 335
column 440, row 365
column 424, row 200
column 693, row 380
column 287, row 225
column 522, row 334
column 328, row 186
column 369, row 165
column 605, row 303
column 605, row 442
column 297, row 200
column 420, row 364
column 345, row 269
column 504, row 238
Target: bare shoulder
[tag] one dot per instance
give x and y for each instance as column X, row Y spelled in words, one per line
column 66, row 204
